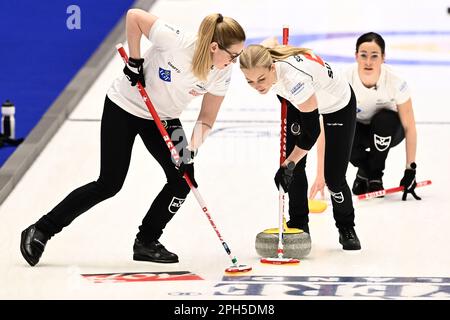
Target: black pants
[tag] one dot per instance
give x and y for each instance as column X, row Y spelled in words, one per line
column 298, row 190
column 339, row 129
column 373, row 141
column 118, row 131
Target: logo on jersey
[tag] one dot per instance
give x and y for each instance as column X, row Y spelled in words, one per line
column 165, row 75
column 329, row 70
column 172, row 28
column 175, row 204
column 381, row 143
column 201, row 86
column 382, row 103
column 298, row 58
column 403, row 86
column 295, row 129
column 195, row 93
column 297, row 88
column 338, row 197
column 173, row 67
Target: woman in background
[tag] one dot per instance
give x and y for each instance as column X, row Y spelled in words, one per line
column 385, row 117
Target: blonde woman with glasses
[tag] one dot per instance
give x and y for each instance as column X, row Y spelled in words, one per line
column 177, row 68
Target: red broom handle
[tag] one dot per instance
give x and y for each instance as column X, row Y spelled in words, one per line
column 283, row 109
column 379, row 193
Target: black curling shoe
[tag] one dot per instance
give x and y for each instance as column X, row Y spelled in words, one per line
column 360, row 185
column 153, row 251
column 375, row 185
column 304, row 226
column 32, row 244
column 349, row 239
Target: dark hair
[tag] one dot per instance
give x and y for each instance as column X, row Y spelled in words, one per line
column 369, row 37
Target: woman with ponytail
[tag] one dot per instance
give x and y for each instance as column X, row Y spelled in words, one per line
column 312, row 88
column 177, row 68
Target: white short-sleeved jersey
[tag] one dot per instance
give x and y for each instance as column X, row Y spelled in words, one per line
column 301, row 76
column 389, row 92
column 170, row 83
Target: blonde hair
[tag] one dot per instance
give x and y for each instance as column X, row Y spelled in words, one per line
column 214, row 28
column 258, row 56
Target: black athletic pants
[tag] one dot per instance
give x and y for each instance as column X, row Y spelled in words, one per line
column 118, row 131
column 384, row 132
column 298, row 190
column 339, row 129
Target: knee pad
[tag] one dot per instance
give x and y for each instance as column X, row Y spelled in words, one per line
column 310, row 131
column 179, row 187
column 383, row 127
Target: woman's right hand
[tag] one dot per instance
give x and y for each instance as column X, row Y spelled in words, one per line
column 318, row 186
column 134, row 71
column 186, row 165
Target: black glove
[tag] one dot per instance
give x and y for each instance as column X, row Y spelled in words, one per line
column 135, row 71
column 186, row 164
column 284, row 176
column 409, row 182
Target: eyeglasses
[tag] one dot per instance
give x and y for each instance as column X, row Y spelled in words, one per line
column 233, row 56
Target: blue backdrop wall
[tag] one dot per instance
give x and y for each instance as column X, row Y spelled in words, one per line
column 40, row 53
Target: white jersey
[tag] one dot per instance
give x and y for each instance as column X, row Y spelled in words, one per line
column 301, row 76
column 389, row 92
column 170, row 83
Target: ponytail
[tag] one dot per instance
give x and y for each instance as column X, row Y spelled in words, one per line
column 258, row 56
column 214, row 28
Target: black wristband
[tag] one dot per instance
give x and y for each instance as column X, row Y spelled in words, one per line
column 135, row 63
column 290, row 165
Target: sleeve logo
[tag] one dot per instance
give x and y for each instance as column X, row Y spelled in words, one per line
column 297, row 88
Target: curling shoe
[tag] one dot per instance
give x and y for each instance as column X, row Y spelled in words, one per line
column 153, row 251
column 303, row 226
column 376, row 185
column 360, row 185
column 32, row 244
column 349, row 239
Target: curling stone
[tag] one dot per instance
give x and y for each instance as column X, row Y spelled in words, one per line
column 296, row 243
column 317, row 206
